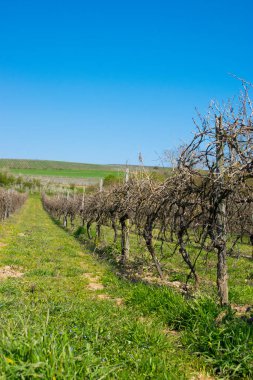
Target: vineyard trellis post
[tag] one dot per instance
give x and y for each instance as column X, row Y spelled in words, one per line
column 65, row 217
column 222, row 272
column 124, row 222
column 101, row 184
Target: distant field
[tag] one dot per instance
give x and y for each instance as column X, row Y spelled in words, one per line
column 93, row 173
column 45, row 164
column 59, row 168
column 55, row 165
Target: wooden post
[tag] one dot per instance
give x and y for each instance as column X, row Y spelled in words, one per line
column 222, row 272
column 83, row 197
column 124, row 222
column 82, row 207
column 127, row 175
column 65, row 221
column 101, row 184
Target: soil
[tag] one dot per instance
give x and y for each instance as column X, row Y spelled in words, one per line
column 95, row 286
column 94, row 283
column 9, row 271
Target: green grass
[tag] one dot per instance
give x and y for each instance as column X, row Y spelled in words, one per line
column 140, row 264
column 92, row 173
column 66, row 169
column 59, row 168
column 221, row 337
column 54, row 327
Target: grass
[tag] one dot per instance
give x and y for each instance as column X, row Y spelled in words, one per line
column 65, row 169
column 221, row 337
column 70, row 173
column 53, row 326
column 140, row 265
column 59, row 168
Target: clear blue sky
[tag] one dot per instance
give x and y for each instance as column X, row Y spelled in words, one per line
column 99, row 81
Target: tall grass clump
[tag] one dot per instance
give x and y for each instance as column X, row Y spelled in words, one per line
column 224, row 339
column 217, row 334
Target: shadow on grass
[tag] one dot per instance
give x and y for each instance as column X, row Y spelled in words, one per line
column 109, row 253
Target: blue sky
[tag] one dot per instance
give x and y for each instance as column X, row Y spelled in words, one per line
column 99, row 81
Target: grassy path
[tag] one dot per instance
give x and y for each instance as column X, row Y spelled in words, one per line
column 68, row 316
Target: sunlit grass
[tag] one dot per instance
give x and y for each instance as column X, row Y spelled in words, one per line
column 54, row 327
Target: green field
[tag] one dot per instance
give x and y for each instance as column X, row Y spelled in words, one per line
column 93, row 173
column 61, row 169
column 73, row 170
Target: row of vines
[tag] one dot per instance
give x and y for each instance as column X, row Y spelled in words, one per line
column 206, row 201
column 10, row 201
column 176, row 210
